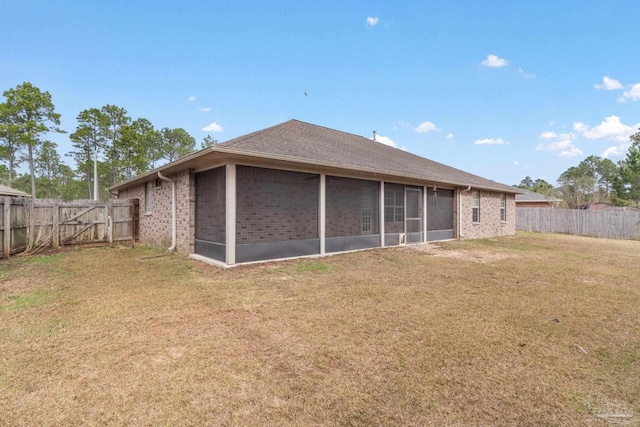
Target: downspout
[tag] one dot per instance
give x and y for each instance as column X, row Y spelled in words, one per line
column 460, row 235
column 173, row 211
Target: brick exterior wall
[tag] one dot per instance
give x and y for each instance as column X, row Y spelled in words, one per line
column 345, row 199
column 440, row 216
column 211, row 205
column 275, row 205
column 155, row 226
column 489, row 224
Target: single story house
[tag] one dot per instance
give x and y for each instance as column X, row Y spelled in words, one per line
column 531, row 199
column 298, row 189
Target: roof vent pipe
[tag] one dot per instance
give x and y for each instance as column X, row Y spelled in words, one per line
column 173, row 211
column 374, row 135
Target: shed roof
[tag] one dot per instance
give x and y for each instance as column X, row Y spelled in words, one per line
column 304, row 143
column 532, row 196
column 8, row 191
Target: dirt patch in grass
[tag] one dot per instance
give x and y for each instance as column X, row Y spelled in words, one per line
column 546, row 331
column 476, row 255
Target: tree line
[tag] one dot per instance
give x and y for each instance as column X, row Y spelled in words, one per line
column 108, row 147
column 594, row 180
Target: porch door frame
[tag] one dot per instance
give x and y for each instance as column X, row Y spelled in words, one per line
column 418, row 217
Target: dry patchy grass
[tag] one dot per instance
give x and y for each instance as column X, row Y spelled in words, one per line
column 530, row 330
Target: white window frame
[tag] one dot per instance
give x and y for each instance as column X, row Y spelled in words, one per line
column 394, row 201
column 475, row 207
column 148, row 196
column 367, row 212
column 503, row 207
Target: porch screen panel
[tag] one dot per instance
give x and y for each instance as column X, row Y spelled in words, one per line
column 440, row 206
column 211, row 205
column 275, row 205
column 352, row 207
column 352, row 215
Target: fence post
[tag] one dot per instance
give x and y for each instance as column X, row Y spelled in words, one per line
column 55, row 226
column 7, row 226
column 110, row 221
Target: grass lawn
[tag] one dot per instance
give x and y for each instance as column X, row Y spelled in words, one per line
column 530, row 330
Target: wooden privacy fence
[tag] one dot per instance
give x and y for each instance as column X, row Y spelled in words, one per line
column 604, row 224
column 30, row 223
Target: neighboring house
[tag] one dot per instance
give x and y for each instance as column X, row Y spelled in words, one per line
column 602, row 206
column 297, row 189
column 8, row 191
column 531, row 199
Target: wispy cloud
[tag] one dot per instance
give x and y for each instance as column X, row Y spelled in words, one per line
column 213, row 127
column 192, row 98
column 493, row 61
column 525, row 74
column 205, row 109
column 449, row 136
column 425, row 127
column 388, row 141
column 562, row 142
column 611, row 128
column 633, row 93
column 491, row 141
column 372, row 22
column 517, row 163
column 608, row 84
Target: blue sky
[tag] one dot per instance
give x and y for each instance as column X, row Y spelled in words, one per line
column 500, row 89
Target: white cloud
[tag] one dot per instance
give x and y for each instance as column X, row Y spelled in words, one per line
column 490, row 141
column 580, row 127
column 372, row 21
column 515, row 162
column 633, row 93
column 608, row 84
column 551, row 123
column 213, row 127
column 526, row 75
column 449, row 136
column 493, row 61
column 386, row 141
column 425, row 127
column 614, row 151
column 403, row 148
column 205, row 109
column 562, row 142
column 610, row 128
column 571, row 152
column 192, row 98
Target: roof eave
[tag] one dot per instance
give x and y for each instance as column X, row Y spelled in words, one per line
column 183, row 163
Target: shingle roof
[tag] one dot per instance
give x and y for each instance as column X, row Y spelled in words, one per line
column 531, row 196
column 304, row 143
column 314, row 144
column 8, row 191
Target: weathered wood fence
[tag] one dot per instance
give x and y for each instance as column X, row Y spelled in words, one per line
column 26, row 223
column 604, row 224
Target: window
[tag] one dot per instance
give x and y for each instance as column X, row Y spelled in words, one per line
column 367, row 212
column 393, row 206
column 503, row 207
column 148, row 196
column 475, row 210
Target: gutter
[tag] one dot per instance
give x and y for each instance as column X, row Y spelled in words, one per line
column 173, row 211
column 460, row 235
